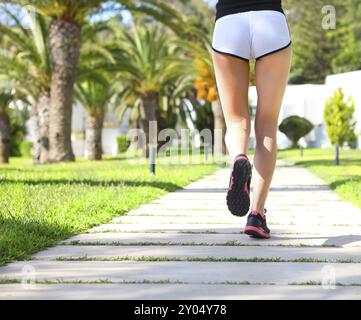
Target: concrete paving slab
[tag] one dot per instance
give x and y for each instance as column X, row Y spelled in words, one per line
column 280, row 212
column 188, row 272
column 176, row 291
column 301, row 220
column 202, row 252
column 214, row 239
column 193, row 205
column 224, row 228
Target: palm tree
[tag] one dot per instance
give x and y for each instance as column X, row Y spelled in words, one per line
column 30, row 75
column 93, row 89
column 153, row 62
column 205, row 82
column 64, row 38
column 207, row 90
column 95, row 94
column 64, row 45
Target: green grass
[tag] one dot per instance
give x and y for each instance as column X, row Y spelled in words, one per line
column 232, row 243
column 344, row 179
column 319, row 283
column 41, row 205
column 206, row 259
column 79, row 282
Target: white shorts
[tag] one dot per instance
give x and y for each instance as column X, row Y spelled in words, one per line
column 251, row 35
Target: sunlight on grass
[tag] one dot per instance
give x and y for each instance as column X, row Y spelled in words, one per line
column 41, row 205
column 345, row 179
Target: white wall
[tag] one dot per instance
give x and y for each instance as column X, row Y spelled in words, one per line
column 306, row 101
column 112, row 129
column 309, row 100
column 109, row 140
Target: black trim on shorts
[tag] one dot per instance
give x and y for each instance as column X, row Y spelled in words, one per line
column 274, row 51
column 230, row 54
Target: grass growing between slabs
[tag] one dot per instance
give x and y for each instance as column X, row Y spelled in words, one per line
column 344, row 179
column 41, row 205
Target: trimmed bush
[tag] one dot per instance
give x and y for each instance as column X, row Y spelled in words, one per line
column 295, row 127
column 123, row 143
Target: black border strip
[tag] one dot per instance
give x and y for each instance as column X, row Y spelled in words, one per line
column 274, row 51
column 230, row 54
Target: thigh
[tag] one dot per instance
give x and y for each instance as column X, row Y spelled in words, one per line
column 232, row 77
column 271, row 77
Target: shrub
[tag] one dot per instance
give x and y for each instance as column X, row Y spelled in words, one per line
column 338, row 115
column 18, row 119
column 123, row 143
column 25, row 148
column 295, row 127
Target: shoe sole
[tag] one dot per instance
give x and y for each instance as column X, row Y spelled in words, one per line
column 256, row 232
column 238, row 200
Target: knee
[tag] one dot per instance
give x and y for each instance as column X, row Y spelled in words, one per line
column 237, row 130
column 265, row 129
column 239, row 125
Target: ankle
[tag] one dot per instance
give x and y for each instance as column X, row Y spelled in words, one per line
column 241, row 155
column 258, row 211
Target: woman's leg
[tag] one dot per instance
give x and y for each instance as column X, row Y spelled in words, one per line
column 271, row 76
column 232, row 76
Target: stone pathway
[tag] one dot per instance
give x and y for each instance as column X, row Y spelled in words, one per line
column 187, row 246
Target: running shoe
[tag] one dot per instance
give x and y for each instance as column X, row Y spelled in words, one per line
column 238, row 199
column 257, row 226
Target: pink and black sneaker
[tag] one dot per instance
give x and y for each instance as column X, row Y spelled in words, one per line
column 238, row 200
column 257, row 226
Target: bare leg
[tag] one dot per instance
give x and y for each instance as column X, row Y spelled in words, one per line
column 271, row 75
column 232, row 76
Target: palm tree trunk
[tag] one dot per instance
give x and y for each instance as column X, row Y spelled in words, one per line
column 93, row 137
column 34, row 120
column 44, row 122
column 64, row 46
column 5, row 132
column 219, row 128
column 148, row 112
column 134, row 125
column 40, row 123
